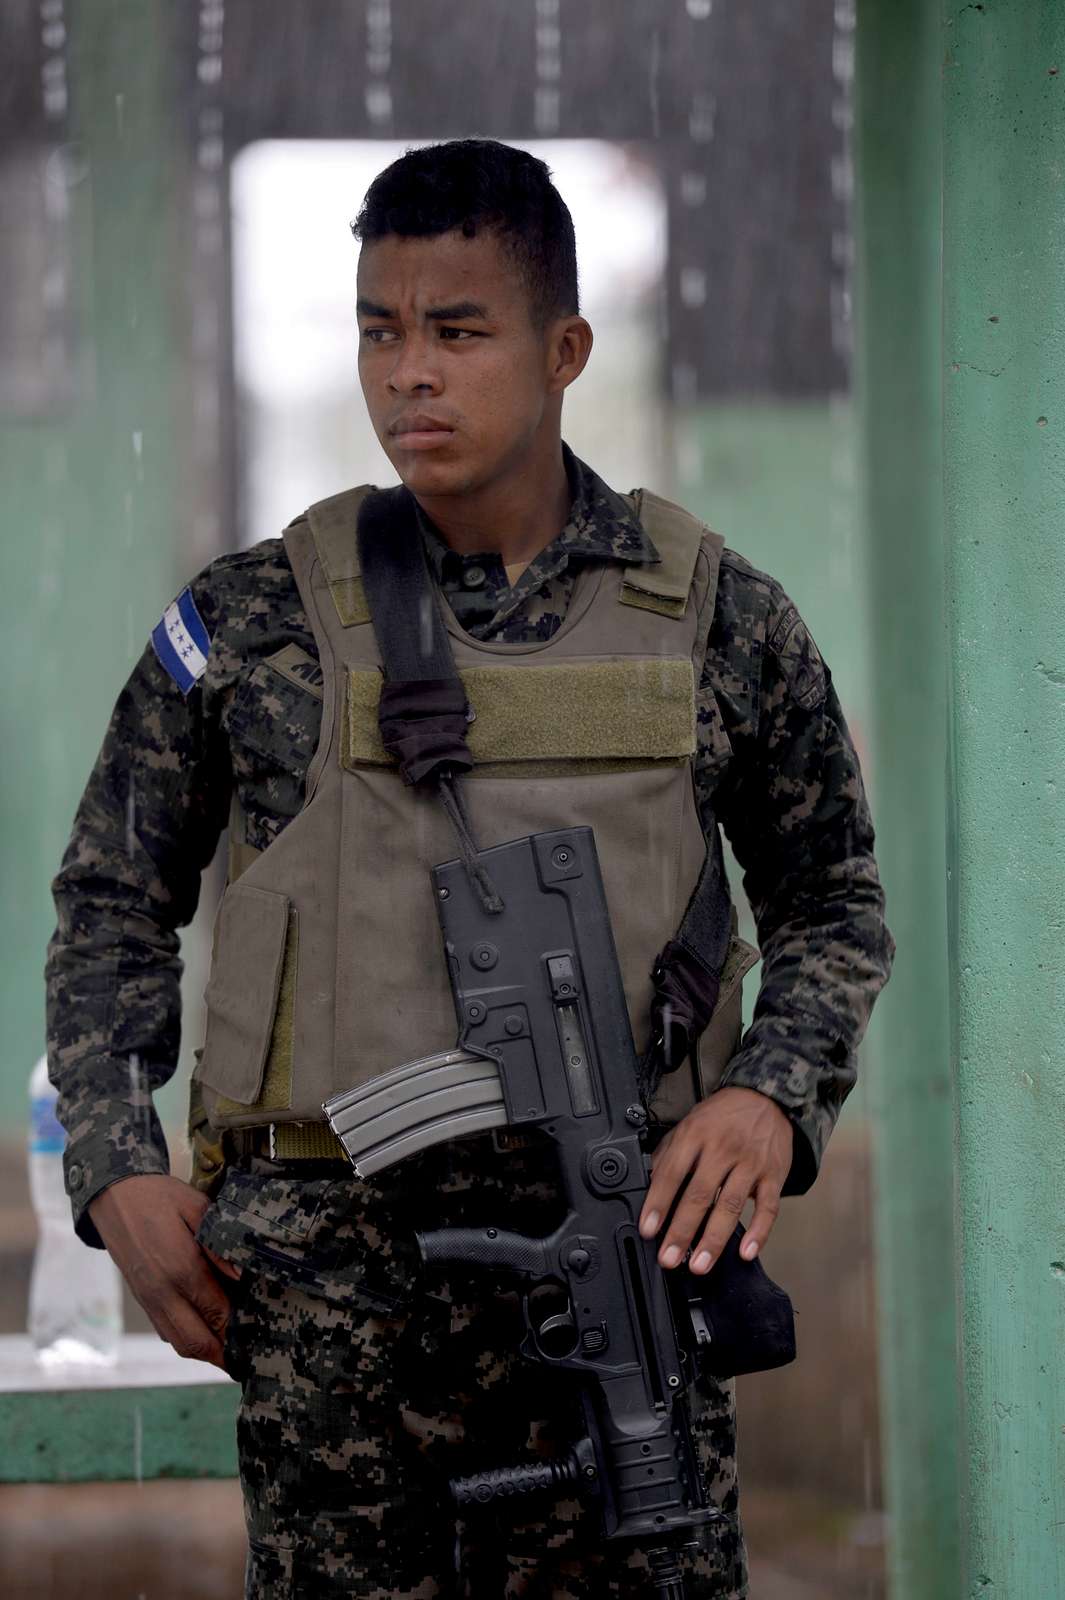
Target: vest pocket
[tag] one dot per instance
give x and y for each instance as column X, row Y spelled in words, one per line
column 242, row 994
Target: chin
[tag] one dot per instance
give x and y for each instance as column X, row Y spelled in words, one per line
column 434, row 477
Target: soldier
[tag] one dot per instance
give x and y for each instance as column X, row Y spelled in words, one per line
column 645, row 681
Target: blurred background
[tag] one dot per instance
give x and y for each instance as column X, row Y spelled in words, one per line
column 177, row 378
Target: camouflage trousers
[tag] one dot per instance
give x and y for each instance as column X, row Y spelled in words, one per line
column 350, row 1425
column 353, row 1418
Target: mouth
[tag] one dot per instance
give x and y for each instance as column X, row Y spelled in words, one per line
column 419, row 433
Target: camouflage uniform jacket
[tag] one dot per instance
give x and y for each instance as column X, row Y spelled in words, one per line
column 775, row 766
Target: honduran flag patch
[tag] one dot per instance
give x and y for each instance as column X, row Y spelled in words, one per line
column 181, row 642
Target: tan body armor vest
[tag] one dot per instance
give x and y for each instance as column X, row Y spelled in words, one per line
column 328, row 968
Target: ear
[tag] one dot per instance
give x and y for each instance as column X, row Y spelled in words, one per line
column 569, row 344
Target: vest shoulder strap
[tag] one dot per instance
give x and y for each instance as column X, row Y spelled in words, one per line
column 678, row 536
column 333, row 523
column 303, row 553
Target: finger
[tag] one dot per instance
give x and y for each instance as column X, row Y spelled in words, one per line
column 193, row 1206
column 203, row 1292
column 671, row 1167
column 180, row 1325
column 690, row 1212
column 766, row 1211
column 723, row 1218
column 175, row 1319
column 188, row 1282
column 192, row 1203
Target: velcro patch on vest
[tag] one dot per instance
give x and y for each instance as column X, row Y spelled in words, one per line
column 349, row 597
column 665, row 607
column 634, row 709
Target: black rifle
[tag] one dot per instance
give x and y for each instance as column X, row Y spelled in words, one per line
column 545, row 1042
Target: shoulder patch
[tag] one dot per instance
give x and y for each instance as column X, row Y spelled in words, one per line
column 800, row 660
column 181, row 642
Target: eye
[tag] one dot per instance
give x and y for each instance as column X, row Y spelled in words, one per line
column 378, row 335
column 459, row 335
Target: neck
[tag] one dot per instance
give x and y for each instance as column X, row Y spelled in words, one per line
column 518, row 515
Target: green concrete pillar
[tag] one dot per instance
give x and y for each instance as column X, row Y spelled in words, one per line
column 90, row 506
column 897, row 370
column 1004, row 473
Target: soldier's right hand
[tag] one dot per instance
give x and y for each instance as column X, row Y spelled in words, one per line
column 148, row 1224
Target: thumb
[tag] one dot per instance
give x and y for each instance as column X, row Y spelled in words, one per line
column 191, row 1206
column 229, row 1268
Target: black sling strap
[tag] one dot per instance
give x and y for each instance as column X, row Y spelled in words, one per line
column 423, row 716
column 423, row 712
column 687, row 973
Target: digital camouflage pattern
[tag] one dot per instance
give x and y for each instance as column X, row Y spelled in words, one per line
column 352, row 1422
column 600, row 528
column 775, row 766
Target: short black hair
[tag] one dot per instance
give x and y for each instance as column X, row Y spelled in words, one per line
column 473, row 184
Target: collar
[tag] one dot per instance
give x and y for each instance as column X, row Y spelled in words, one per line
column 600, row 527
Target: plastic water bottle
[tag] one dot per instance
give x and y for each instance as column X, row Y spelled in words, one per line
column 75, row 1292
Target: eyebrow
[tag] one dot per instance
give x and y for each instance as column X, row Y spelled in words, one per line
column 461, row 311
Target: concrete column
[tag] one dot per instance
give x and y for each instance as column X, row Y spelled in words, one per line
column 1004, row 473
column 897, row 370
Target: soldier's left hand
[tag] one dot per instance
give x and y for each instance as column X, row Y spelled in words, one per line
column 736, row 1144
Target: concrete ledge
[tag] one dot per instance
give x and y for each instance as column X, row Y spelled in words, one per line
column 152, row 1415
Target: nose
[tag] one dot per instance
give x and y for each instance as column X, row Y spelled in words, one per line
column 414, row 370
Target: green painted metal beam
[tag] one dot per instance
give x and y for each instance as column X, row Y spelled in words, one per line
column 1004, row 473
column 776, row 478
column 91, row 503
column 897, row 299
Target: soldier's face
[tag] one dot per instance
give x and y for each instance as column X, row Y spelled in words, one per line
column 459, row 383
